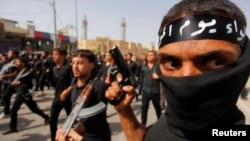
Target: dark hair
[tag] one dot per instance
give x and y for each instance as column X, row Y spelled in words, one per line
column 15, row 52
column 4, row 55
column 153, row 52
column 195, row 7
column 61, row 51
column 85, row 53
column 23, row 59
column 130, row 54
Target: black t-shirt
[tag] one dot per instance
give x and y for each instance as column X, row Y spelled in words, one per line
column 133, row 66
column 24, row 78
column 149, row 85
column 96, row 126
column 62, row 79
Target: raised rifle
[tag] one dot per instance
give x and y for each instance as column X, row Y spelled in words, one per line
column 79, row 111
column 128, row 77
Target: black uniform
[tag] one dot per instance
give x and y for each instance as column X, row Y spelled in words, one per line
column 24, row 96
column 8, row 90
column 46, row 78
column 133, row 67
column 150, row 91
column 62, row 78
column 37, row 72
column 97, row 127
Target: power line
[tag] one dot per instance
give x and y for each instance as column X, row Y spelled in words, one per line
column 60, row 20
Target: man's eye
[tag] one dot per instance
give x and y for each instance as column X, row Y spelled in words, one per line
column 76, row 63
column 214, row 64
column 171, row 64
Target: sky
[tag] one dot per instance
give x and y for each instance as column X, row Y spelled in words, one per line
column 104, row 17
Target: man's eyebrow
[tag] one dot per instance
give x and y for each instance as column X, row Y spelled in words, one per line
column 165, row 55
column 169, row 56
column 216, row 53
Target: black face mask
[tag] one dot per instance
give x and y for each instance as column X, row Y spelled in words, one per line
column 198, row 103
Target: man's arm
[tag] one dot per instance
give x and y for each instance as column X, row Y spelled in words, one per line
column 133, row 130
column 64, row 94
column 9, row 75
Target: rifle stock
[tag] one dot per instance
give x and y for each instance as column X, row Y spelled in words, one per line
column 75, row 135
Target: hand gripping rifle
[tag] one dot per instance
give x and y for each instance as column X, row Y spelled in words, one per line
column 128, row 77
column 79, row 112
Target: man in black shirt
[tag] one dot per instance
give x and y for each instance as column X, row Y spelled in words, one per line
column 96, row 127
column 46, row 74
column 3, row 61
column 131, row 64
column 150, row 87
column 23, row 84
column 37, row 70
column 8, row 73
column 62, row 76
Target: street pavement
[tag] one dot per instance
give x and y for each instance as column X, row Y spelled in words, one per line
column 30, row 125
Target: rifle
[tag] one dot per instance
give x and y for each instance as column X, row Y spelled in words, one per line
column 122, row 67
column 20, row 75
column 79, row 112
column 6, row 67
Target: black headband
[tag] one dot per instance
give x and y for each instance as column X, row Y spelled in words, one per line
column 194, row 27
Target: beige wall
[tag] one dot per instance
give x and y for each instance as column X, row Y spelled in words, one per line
column 103, row 44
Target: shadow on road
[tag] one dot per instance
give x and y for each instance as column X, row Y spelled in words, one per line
column 34, row 137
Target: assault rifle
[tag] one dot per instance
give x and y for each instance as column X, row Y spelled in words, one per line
column 122, row 67
column 6, row 67
column 79, row 112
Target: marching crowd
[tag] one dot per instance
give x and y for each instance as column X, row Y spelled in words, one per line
column 26, row 75
column 202, row 68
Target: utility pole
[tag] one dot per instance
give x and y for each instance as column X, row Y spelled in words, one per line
column 53, row 5
column 55, row 33
column 76, row 25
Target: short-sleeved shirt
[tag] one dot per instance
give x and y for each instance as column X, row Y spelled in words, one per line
column 96, row 126
column 62, row 79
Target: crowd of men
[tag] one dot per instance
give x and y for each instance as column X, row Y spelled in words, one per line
column 202, row 71
column 60, row 72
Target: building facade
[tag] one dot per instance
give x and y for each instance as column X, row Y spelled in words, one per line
column 30, row 39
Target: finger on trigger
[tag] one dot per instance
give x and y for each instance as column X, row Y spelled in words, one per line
column 111, row 93
column 128, row 89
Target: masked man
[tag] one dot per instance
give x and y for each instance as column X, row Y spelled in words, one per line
column 203, row 66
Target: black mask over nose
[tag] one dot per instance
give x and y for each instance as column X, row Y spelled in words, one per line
column 198, row 103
